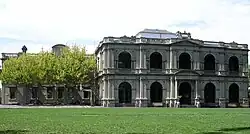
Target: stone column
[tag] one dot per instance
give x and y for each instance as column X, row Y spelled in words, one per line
column 176, row 89
column 145, row 91
column 105, row 59
column 101, row 61
column 108, row 58
column 170, row 59
column 197, row 97
column 176, row 100
column 109, row 90
column 110, row 98
column 222, row 99
column 171, row 103
column 105, row 93
column 141, row 93
column 112, row 58
column 221, row 64
column 167, row 63
column 175, row 60
column 196, row 89
column 141, row 58
column 197, row 60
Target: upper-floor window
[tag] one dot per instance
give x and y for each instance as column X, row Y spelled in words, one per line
column 124, row 60
column 209, row 62
column 233, row 64
column 184, row 61
column 156, row 60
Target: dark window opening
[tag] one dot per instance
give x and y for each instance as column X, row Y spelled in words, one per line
column 184, row 61
column 86, row 94
column 209, row 62
column 49, row 92
column 124, row 60
column 233, row 64
column 234, row 93
column 209, row 93
column 34, row 92
column 125, row 93
column 185, row 93
column 156, row 92
column 156, row 60
column 60, row 92
column 13, row 91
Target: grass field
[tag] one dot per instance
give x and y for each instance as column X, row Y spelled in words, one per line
column 125, row 120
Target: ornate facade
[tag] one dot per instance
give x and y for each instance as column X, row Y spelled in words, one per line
column 157, row 67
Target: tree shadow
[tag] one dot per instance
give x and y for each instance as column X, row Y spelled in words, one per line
column 212, row 133
column 235, row 129
column 223, row 130
column 13, row 131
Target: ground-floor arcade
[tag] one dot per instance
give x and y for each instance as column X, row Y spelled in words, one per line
column 173, row 91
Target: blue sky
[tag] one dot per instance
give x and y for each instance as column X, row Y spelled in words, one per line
column 42, row 23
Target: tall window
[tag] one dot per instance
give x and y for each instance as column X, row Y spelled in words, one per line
column 124, row 60
column 34, row 92
column 233, row 64
column 209, row 62
column 49, row 92
column 86, row 94
column 60, row 92
column 156, row 60
column 184, row 61
column 13, row 91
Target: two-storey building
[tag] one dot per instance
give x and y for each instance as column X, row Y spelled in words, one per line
column 157, row 67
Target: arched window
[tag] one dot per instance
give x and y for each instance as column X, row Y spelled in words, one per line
column 233, row 64
column 124, row 60
column 209, row 62
column 234, row 93
column 209, row 93
column 185, row 90
column 125, row 93
column 156, row 60
column 156, row 92
column 184, row 61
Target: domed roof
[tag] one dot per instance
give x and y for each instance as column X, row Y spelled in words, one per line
column 59, row 45
column 156, row 33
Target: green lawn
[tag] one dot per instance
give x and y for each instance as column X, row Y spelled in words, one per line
column 125, row 120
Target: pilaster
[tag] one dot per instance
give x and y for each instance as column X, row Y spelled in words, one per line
column 172, row 93
column 221, row 64
column 141, row 100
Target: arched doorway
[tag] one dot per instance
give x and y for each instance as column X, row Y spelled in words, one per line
column 233, row 64
column 156, row 60
column 184, row 61
column 124, row 60
column 156, row 92
column 209, row 62
column 209, row 93
column 125, row 93
column 185, row 93
column 234, row 93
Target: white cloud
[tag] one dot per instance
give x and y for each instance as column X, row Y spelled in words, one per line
column 58, row 21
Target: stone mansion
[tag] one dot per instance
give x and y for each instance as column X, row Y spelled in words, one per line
column 161, row 68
